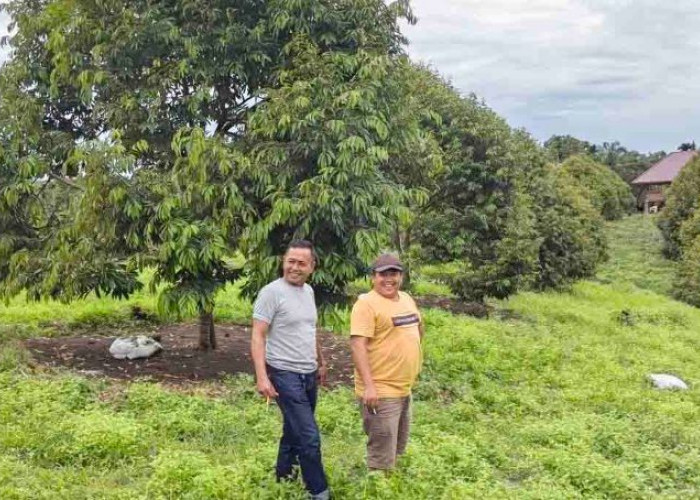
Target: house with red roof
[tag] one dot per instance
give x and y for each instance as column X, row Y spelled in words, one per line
column 660, row 175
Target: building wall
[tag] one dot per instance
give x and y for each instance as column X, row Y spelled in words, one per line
column 650, row 196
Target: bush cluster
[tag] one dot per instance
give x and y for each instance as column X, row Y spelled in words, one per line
column 605, row 189
column 498, row 208
column 679, row 223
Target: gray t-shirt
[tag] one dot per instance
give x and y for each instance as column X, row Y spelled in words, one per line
column 290, row 312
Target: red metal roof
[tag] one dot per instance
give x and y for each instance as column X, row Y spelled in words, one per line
column 664, row 171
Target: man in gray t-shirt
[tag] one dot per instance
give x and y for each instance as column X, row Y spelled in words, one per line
column 288, row 362
column 290, row 312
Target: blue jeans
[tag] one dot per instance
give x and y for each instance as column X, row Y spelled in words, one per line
column 301, row 441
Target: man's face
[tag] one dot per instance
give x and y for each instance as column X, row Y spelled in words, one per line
column 297, row 265
column 387, row 283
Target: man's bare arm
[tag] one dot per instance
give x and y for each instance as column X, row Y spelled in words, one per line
column 361, row 359
column 322, row 367
column 257, row 351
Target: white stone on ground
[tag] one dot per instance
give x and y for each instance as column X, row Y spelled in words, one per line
column 666, row 381
column 134, row 347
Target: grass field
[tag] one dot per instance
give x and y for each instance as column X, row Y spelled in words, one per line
column 635, row 256
column 551, row 402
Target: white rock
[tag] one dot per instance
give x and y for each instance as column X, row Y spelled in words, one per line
column 666, row 381
column 134, row 347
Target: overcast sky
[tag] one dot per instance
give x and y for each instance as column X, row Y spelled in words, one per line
column 623, row 70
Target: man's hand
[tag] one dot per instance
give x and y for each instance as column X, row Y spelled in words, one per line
column 265, row 388
column 370, row 398
column 322, row 374
column 358, row 345
column 257, row 352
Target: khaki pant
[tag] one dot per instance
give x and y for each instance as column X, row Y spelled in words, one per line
column 387, row 431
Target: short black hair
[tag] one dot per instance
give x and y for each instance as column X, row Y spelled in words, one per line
column 303, row 244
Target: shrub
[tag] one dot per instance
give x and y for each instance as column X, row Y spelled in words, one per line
column 477, row 214
column 606, row 190
column 681, row 201
column 679, row 223
column 513, row 223
column 512, row 263
column 573, row 242
column 687, row 285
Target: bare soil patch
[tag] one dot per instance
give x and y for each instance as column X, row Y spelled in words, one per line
column 455, row 306
column 180, row 361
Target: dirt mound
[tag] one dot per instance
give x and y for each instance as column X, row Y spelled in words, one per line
column 180, row 361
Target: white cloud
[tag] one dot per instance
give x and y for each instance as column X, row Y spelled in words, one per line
column 4, row 21
column 596, row 69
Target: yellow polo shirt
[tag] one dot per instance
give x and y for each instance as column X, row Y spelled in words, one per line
column 394, row 347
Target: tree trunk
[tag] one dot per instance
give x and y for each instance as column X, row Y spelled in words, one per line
column 405, row 248
column 399, row 245
column 207, row 335
column 397, row 239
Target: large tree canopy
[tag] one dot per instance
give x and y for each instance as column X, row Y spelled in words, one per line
column 325, row 138
column 129, row 138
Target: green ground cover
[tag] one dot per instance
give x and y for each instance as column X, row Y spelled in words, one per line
column 550, row 402
column 635, row 256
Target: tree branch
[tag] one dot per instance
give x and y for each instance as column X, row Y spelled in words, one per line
column 239, row 111
column 66, row 181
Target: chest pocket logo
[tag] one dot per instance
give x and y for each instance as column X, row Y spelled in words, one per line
column 405, row 320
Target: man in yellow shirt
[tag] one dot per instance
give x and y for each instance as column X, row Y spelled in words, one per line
column 386, row 331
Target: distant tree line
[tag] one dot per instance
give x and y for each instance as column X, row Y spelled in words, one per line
column 628, row 164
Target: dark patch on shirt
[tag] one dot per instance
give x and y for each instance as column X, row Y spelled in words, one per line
column 405, row 319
